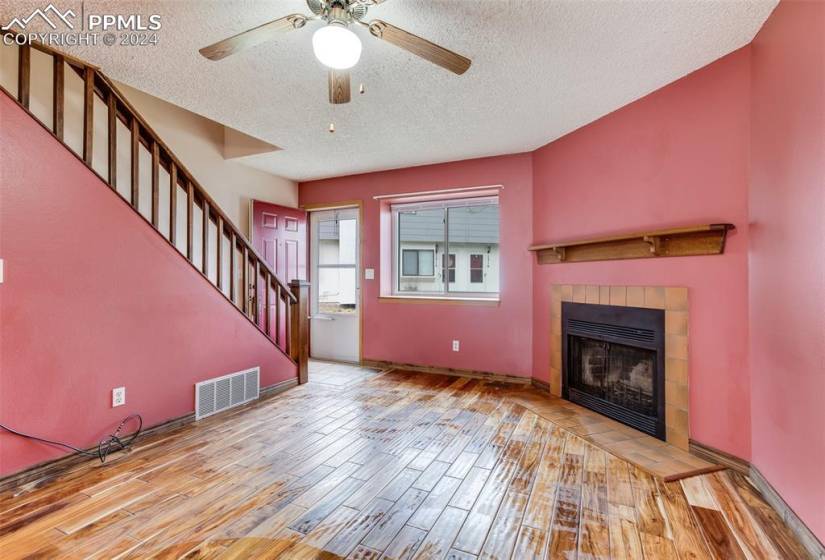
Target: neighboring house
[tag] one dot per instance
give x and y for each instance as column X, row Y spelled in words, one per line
column 336, row 245
column 473, row 262
column 473, row 249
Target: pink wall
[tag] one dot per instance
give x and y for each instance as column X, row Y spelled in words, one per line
column 787, row 257
column 493, row 339
column 93, row 298
column 676, row 157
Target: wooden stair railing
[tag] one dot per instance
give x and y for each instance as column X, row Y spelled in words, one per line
column 251, row 281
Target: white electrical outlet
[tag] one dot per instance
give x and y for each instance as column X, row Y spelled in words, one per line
column 118, row 396
column 369, row 274
column 455, row 346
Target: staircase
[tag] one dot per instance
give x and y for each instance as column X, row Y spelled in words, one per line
column 173, row 203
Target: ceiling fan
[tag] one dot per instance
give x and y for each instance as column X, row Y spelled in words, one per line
column 335, row 45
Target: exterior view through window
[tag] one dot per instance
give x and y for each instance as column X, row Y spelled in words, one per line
column 337, row 270
column 447, row 248
column 450, row 266
column 476, row 269
column 417, row 262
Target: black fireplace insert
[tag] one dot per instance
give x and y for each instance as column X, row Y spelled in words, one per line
column 613, row 363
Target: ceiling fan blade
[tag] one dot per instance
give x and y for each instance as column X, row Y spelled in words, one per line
column 420, row 47
column 339, row 87
column 252, row 37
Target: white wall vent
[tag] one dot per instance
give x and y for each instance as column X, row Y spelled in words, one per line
column 214, row 395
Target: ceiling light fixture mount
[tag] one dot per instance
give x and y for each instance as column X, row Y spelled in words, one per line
column 335, row 45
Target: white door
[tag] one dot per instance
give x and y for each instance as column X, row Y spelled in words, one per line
column 335, row 302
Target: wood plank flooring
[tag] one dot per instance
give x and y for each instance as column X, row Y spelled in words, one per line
column 397, row 465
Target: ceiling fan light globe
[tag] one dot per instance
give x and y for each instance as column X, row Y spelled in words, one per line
column 336, row 47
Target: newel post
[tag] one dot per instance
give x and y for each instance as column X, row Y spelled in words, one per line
column 299, row 328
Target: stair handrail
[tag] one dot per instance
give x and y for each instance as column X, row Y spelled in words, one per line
column 120, row 108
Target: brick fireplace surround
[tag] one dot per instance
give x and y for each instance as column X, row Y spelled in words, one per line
column 674, row 301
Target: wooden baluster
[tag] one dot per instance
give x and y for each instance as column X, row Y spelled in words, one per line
column 24, row 70
column 155, row 184
column 58, row 96
column 257, row 308
column 232, row 248
column 173, row 204
column 299, row 328
column 219, row 251
column 278, row 297
column 190, row 210
column 135, row 162
column 245, row 281
column 267, row 280
column 88, row 113
column 288, row 326
column 205, row 237
column 112, row 103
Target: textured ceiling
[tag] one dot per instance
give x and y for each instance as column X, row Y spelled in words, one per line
column 540, row 69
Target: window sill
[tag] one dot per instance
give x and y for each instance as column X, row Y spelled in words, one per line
column 436, row 300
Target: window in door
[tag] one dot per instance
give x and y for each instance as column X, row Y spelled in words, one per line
column 337, row 291
column 476, row 269
column 450, row 268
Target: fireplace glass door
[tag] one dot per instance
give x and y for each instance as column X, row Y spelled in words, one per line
column 613, row 363
column 619, row 374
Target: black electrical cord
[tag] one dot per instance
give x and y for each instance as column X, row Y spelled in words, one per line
column 112, row 443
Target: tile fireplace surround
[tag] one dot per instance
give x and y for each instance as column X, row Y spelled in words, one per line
column 674, row 301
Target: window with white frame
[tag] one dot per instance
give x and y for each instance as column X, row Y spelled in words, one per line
column 446, row 248
column 418, row 262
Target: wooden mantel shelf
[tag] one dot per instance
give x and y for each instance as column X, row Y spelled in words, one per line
column 705, row 239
